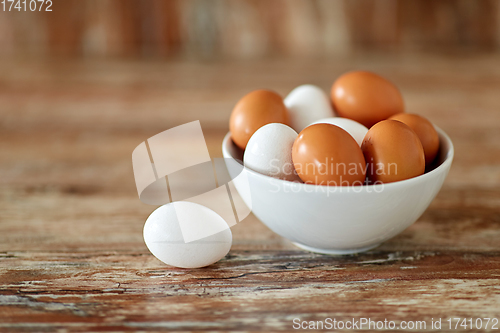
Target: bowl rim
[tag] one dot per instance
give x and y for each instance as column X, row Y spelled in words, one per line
column 439, row 169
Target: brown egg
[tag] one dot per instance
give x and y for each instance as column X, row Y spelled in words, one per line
column 365, row 97
column 254, row 110
column 392, row 152
column 325, row 154
column 425, row 132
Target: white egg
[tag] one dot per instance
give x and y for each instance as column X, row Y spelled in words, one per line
column 166, row 229
column 307, row 103
column 352, row 127
column 269, row 152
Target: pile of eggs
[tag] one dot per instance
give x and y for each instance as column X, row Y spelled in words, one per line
column 359, row 135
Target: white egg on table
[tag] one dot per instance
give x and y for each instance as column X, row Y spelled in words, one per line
column 355, row 129
column 169, row 225
column 307, row 103
column 269, row 152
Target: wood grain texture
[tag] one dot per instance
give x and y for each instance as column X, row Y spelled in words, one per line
column 72, row 256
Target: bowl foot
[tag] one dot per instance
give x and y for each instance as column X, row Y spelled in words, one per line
column 335, row 252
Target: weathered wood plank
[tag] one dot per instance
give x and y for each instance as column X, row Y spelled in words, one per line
column 71, row 250
column 246, row 290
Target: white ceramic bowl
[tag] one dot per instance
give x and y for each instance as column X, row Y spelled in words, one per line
column 339, row 220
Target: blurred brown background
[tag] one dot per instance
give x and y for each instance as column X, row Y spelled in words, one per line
column 245, row 29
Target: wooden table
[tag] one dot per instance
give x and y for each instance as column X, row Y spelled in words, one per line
column 72, row 257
